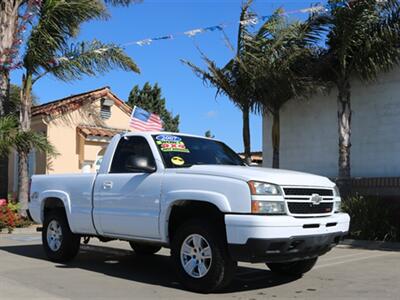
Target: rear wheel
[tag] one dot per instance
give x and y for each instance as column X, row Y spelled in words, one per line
column 143, row 249
column 296, row 268
column 201, row 258
column 59, row 243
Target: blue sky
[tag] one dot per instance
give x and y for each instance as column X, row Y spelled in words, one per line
column 160, row 62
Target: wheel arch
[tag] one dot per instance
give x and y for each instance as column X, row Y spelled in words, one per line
column 55, row 200
column 182, row 210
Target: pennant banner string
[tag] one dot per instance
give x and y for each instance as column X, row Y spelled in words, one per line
column 35, row 5
column 194, row 32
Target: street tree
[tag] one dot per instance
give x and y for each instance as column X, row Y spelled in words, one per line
column 363, row 41
column 281, row 55
column 48, row 52
column 150, row 98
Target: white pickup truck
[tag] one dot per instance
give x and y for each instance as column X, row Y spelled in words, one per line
column 195, row 196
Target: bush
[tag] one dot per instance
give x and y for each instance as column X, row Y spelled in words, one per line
column 10, row 218
column 373, row 218
column 7, row 218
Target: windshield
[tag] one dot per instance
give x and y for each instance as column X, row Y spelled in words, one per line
column 180, row 151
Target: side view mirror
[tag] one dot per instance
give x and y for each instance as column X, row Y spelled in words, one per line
column 139, row 163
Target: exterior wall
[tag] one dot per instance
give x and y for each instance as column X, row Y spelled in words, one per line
column 62, row 133
column 309, row 137
column 40, row 166
column 92, row 151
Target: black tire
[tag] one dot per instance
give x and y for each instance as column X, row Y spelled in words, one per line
column 143, row 249
column 296, row 268
column 221, row 268
column 69, row 242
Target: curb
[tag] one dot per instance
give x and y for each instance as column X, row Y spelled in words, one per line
column 26, row 230
column 371, row 245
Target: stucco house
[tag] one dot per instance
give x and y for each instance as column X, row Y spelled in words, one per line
column 80, row 127
column 309, row 134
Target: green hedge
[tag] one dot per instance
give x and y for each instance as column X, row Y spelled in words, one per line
column 373, row 218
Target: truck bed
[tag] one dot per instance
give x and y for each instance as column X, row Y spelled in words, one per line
column 75, row 190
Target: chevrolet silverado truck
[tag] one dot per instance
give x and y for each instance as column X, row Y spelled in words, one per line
column 197, row 197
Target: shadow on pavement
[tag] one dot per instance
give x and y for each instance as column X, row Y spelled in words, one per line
column 155, row 269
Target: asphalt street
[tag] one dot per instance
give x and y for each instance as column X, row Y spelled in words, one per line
column 112, row 271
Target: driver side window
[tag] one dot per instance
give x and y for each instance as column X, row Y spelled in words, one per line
column 127, row 150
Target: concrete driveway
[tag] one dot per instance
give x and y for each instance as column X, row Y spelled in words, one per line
column 111, row 271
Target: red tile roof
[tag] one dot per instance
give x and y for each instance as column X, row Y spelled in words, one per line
column 62, row 106
column 86, row 131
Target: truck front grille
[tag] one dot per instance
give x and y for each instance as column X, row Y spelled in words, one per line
column 299, row 201
column 309, row 208
column 307, row 192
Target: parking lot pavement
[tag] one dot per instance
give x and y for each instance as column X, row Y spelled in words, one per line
column 102, row 272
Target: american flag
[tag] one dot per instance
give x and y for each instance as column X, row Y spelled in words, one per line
column 144, row 121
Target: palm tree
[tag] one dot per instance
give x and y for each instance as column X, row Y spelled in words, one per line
column 281, row 57
column 9, row 20
column 48, row 52
column 233, row 79
column 12, row 138
column 363, row 41
column 8, row 27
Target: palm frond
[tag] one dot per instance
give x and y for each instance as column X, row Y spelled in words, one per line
column 90, row 58
column 22, row 141
column 281, row 55
column 58, row 22
column 8, row 127
column 25, row 141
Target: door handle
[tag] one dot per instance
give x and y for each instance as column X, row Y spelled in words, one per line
column 107, row 185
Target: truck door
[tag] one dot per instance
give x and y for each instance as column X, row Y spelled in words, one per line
column 127, row 201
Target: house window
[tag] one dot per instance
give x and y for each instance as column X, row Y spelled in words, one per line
column 105, row 110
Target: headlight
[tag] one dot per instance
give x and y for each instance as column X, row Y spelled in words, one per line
column 337, row 206
column 268, row 207
column 263, row 188
column 336, row 191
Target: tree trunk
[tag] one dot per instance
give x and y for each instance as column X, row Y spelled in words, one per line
column 23, row 183
column 4, row 99
column 8, row 28
column 26, row 103
column 246, row 134
column 344, row 129
column 276, row 138
column 3, row 177
column 25, row 125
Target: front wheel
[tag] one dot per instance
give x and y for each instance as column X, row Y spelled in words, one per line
column 201, row 258
column 59, row 243
column 296, row 268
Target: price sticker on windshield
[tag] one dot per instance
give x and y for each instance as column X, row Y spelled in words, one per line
column 174, row 147
column 171, row 143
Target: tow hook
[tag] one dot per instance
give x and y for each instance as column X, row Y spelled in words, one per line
column 86, row 240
